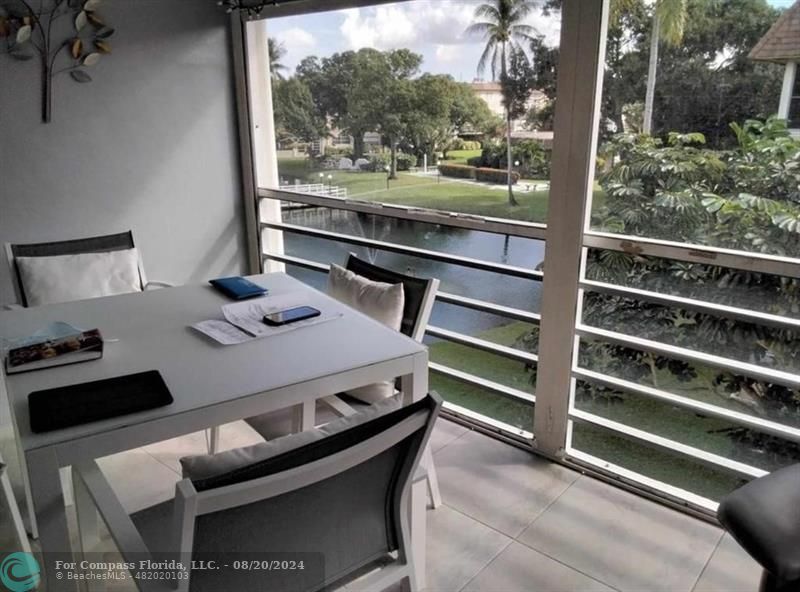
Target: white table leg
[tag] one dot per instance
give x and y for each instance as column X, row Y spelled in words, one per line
column 48, row 503
column 304, row 416
column 213, row 439
column 16, row 518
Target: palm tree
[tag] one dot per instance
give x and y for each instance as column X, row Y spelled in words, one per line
column 276, row 53
column 669, row 20
column 501, row 24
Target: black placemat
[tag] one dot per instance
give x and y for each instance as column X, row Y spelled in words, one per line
column 67, row 406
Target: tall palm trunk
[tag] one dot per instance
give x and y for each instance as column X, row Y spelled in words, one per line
column 511, row 199
column 647, row 123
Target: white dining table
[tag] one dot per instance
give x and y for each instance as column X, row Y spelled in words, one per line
column 211, row 384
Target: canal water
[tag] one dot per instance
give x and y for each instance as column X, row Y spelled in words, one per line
column 489, row 286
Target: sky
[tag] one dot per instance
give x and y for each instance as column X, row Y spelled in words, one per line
column 433, row 28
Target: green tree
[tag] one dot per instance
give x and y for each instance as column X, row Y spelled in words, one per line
column 501, row 23
column 276, row 51
column 294, row 111
column 381, row 96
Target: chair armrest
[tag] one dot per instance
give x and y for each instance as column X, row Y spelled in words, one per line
column 155, row 284
column 11, row 307
column 122, row 529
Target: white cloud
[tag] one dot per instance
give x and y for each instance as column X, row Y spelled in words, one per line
column 436, row 22
column 296, row 40
column 447, row 54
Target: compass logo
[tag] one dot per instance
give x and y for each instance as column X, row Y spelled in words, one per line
column 20, row 572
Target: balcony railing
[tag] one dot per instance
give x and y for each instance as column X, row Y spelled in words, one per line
column 758, row 263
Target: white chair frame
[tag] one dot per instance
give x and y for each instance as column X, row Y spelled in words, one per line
column 94, row 495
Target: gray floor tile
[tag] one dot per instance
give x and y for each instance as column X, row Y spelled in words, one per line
column 730, row 569
column 138, row 479
column 444, row 432
column 232, row 435
column 498, row 484
column 521, row 569
column 457, row 549
column 623, row 540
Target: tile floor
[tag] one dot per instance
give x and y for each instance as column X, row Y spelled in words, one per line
column 513, row 522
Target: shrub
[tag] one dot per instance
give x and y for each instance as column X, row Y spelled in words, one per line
column 405, row 161
column 457, row 170
column 461, row 144
column 377, row 162
column 496, row 176
column 534, row 158
column 475, row 161
column 339, row 151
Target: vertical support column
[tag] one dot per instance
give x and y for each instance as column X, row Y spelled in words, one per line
column 786, row 90
column 265, row 148
column 580, row 78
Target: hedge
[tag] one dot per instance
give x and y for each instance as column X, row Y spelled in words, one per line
column 457, row 170
column 496, row 176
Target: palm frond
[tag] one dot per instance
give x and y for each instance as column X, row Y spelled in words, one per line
column 482, row 28
column 671, row 16
column 489, row 12
column 485, row 57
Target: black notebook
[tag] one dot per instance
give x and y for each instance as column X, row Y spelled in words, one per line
column 76, row 404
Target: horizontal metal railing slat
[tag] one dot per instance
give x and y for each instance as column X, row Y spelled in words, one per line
column 735, row 367
column 501, row 268
column 704, row 254
column 483, row 345
column 762, row 425
column 521, row 229
column 702, row 456
column 703, row 306
column 495, row 387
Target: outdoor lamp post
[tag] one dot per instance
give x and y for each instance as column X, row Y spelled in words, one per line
column 322, row 179
column 330, row 183
column 388, row 170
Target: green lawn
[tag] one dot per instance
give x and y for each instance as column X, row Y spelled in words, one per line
column 460, row 156
column 438, row 193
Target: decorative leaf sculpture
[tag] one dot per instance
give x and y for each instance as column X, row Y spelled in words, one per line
column 91, row 59
column 26, row 33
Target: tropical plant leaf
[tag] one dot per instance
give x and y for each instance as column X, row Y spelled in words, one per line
column 81, row 20
column 91, row 5
column 91, row 59
column 94, row 19
column 76, row 48
column 104, row 33
column 102, row 46
column 24, row 33
column 80, row 76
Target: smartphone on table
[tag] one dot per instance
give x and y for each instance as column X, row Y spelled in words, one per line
column 292, row 315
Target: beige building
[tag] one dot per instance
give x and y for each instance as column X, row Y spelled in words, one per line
column 492, row 95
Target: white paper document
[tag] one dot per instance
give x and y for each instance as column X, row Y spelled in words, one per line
column 243, row 320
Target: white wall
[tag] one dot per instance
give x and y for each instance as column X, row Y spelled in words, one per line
column 150, row 145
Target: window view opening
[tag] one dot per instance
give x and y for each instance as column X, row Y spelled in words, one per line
column 687, row 371
column 411, row 106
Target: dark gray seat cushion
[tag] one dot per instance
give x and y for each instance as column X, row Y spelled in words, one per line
column 764, row 517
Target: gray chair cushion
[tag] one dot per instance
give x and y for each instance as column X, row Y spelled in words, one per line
column 206, row 466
